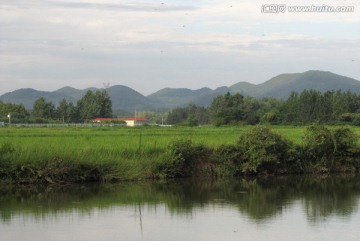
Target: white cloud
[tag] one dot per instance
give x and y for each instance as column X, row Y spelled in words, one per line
column 149, row 45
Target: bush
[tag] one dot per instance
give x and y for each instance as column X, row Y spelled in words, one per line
column 262, row 151
column 346, row 149
column 356, row 121
column 326, row 149
column 319, row 144
column 182, row 159
column 227, row 160
column 5, row 151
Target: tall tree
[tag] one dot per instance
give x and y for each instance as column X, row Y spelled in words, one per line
column 227, row 109
column 105, row 103
column 43, row 109
column 18, row 112
column 192, row 115
column 66, row 112
column 93, row 105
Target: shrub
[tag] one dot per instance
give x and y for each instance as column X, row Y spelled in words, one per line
column 181, row 159
column 326, row 149
column 5, row 151
column 319, row 144
column 346, row 149
column 262, row 150
column 227, row 160
column 356, row 121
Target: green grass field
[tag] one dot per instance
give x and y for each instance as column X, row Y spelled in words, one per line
column 115, row 149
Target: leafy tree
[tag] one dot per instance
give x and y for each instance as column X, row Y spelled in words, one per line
column 18, row 112
column 43, row 109
column 177, row 116
column 311, row 105
column 104, row 102
column 197, row 115
column 93, row 105
column 269, row 110
column 227, row 109
column 290, row 110
column 251, row 110
column 66, row 112
column 236, row 108
column 192, row 115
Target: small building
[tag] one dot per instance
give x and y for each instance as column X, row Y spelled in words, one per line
column 130, row 121
column 135, row 121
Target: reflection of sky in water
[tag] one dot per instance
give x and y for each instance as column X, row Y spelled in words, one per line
column 148, row 222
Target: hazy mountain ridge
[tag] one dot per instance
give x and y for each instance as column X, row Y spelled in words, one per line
column 127, row 99
column 171, row 97
column 282, row 85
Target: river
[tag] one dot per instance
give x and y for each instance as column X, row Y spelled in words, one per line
column 273, row 208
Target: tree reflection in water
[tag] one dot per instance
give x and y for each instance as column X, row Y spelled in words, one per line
column 259, row 199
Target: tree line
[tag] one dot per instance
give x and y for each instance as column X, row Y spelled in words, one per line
column 301, row 108
column 91, row 105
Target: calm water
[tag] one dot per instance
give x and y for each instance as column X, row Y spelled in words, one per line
column 291, row 208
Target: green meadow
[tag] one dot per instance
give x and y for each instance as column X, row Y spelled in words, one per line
column 87, row 154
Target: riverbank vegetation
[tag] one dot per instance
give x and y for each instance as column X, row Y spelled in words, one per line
column 71, row 155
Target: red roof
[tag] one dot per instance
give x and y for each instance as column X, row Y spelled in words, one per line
column 120, row 119
column 134, row 119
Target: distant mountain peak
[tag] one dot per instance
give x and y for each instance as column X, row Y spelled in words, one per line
column 66, row 88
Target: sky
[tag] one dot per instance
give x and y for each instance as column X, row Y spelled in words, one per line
column 153, row 44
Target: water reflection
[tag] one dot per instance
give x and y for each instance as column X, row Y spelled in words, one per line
column 258, row 199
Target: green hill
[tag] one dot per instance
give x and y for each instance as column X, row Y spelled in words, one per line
column 282, row 85
column 126, row 99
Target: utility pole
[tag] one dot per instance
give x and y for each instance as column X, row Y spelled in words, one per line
column 9, row 116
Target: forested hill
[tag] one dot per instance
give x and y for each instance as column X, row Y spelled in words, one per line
column 282, row 85
column 125, row 98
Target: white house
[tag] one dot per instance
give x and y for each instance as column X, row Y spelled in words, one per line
column 130, row 121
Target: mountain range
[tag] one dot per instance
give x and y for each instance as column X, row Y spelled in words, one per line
column 126, row 99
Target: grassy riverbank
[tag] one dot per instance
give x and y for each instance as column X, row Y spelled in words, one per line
column 56, row 155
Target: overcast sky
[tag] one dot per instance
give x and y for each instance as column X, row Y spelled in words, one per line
column 152, row 44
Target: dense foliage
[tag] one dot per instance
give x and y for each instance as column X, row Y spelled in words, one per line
column 18, row 112
column 311, row 105
column 91, row 105
column 261, row 151
column 304, row 108
column 191, row 115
